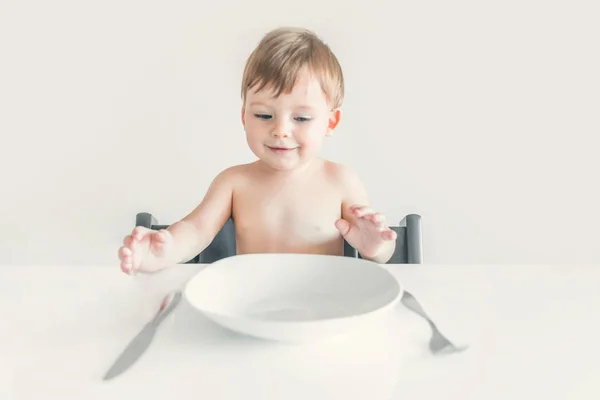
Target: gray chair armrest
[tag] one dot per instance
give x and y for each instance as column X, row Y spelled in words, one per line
column 145, row 219
column 350, row 251
column 413, row 238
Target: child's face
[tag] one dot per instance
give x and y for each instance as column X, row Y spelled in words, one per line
column 287, row 131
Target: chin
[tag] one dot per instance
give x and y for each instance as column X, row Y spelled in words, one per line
column 280, row 166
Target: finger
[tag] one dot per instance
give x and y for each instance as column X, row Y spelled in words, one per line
column 126, row 265
column 389, row 235
column 134, row 257
column 356, row 207
column 127, row 241
column 126, row 261
column 125, row 268
column 343, row 226
column 139, row 232
column 363, row 211
column 161, row 236
column 124, row 252
column 378, row 219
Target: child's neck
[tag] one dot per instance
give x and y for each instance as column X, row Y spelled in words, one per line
column 300, row 170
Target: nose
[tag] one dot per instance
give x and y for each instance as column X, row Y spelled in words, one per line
column 281, row 129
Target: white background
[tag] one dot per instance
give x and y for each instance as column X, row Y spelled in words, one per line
column 481, row 116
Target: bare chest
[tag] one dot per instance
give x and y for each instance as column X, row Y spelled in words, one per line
column 291, row 211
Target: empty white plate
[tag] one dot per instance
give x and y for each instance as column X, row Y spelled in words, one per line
column 292, row 297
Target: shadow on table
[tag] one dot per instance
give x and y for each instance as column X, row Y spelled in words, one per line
column 190, row 327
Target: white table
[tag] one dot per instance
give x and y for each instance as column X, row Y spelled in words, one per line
column 534, row 333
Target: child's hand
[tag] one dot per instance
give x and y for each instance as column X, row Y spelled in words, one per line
column 367, row 232
column 145, row 250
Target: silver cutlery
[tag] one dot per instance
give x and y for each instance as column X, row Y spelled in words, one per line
column 142, row 340
column 438, row 344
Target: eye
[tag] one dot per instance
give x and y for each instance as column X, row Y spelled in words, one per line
column 263, row 116
column 302, row 119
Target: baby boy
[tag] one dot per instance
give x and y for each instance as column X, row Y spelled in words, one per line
column 289, row 200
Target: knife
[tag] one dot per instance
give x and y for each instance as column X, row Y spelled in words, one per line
column 142, row 340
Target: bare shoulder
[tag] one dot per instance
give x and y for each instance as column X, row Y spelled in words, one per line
column 232, row 176
column 216, row 205
column 347, row 178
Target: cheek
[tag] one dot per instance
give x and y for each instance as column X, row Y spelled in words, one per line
column 313, row 134
column 252, row 138
column 253, row 129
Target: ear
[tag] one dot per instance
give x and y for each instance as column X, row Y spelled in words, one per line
column 244, row 117
column 334, row 120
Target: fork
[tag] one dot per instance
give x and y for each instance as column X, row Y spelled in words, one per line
column 438, row 344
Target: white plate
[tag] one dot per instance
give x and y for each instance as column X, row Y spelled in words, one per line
column 292, row 297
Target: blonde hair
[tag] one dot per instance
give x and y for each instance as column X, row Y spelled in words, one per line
column 282, row 53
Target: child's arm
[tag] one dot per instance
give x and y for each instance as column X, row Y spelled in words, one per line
column 149, row 250
column 193, row 233
column 361, row 226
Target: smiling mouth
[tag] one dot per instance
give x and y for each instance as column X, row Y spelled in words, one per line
column 282, row 149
